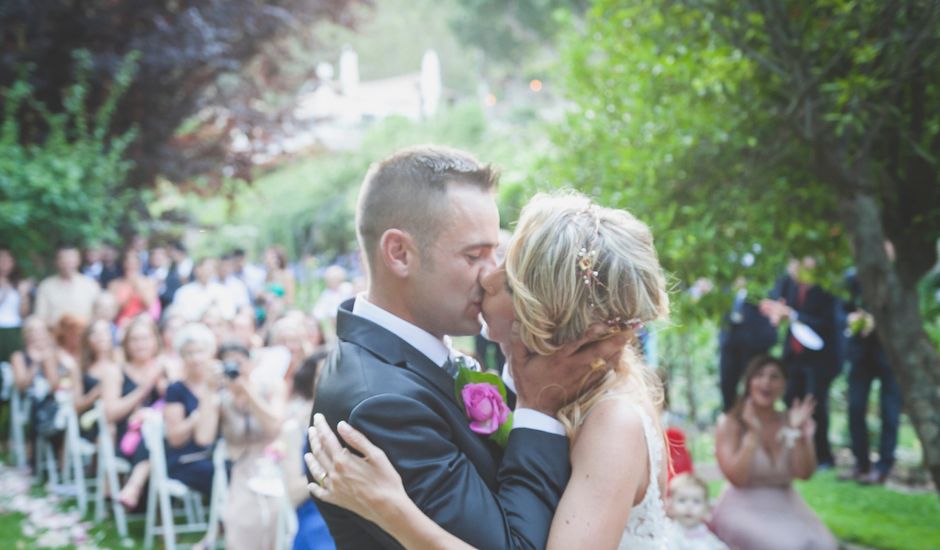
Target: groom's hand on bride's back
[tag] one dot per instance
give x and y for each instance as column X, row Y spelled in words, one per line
column 547, row 383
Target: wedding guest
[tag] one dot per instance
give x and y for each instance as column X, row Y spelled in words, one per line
column 243, row 330
column 235, row 287
column 868, row 363
column 14, row 305
column 745, row 334
column 134, row 292
column 193, row 299
column 252, row 413
column 252, row 275
column 110, row 265
column 312, row 531
column 140, row 249
column 159, row 270
column 105, row 308
column 93, row 265
column 39, row 358
column 290, row 332
column 279, row 281
column 191, row 414
column 98, row 356
column 212, row 318
column 127, row 393
column 68, row 337
column 178, row 274
column 171, row 323
column 810, row 370
column 336, row 292
column 760, row 450
column 687, row 507
column 38, row 371
column 68, row 291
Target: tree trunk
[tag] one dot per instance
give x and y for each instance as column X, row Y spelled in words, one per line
column 900, row 327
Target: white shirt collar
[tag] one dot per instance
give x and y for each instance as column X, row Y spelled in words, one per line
column 418, row 338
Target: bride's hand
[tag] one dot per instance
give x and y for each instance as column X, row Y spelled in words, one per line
column 368, row 485
column 548, row 382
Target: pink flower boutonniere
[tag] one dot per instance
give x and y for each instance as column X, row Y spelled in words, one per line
column 483, row 396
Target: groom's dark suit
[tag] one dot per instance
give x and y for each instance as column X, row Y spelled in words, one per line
column 405, row 404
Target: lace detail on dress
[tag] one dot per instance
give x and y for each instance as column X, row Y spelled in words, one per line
column 647, row 527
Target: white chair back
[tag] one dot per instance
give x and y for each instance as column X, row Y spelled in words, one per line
column 163, row 489
column 106, row 479
column 19, row 417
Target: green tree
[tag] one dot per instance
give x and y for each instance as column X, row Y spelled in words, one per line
column 65, row 187
column 768, row 129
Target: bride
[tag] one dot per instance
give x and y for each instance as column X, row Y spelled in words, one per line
column 572, row 267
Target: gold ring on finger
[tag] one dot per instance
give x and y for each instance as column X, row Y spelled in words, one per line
column 322, row 478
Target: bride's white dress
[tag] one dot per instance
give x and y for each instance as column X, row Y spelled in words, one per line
column 648, row 526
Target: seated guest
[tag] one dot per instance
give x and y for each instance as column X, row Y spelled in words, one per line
column 191, row 414
column 68, row 337
column 252, row 413
column 127, row 393
column 243, row 329
column 280, row 280
column 106, row 309
column 193, row 299
column 761, row 450
column 171, row 323
column 39, row 359
column 290, row 332
column 97, row 357
column 38, row 371
column 134, row 292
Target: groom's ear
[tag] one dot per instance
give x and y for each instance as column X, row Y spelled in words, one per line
column 398, row 252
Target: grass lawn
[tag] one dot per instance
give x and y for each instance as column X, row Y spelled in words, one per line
column 875, row 516
column 872, row 517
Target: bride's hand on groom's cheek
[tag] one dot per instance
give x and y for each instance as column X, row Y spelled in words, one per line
column 546, row 383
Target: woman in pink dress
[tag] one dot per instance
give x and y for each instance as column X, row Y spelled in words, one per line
column 134, row 292
column 761, row 450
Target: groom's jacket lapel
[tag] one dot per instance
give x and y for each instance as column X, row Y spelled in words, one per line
column 390, row 348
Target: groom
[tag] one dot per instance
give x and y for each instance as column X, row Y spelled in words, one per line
column 428, row 227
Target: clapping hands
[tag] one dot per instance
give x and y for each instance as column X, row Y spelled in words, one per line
column 800, row 414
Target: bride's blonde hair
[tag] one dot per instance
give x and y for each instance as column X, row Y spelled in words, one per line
column 572, row 264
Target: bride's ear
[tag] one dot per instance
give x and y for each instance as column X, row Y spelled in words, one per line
column 398, row 253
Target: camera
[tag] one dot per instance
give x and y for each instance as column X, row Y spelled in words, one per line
column 230, row 369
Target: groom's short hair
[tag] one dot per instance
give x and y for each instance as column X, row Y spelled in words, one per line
column 406, row 191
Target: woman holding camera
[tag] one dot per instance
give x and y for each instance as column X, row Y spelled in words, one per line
column 252, row 412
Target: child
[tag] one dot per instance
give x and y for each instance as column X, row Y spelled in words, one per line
column 687, row 507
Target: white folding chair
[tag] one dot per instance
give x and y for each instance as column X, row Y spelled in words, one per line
column 75, row 450
column 219, row 494
column 163, row 490
column 44, row 453
column 19, row 417
column 106, row 475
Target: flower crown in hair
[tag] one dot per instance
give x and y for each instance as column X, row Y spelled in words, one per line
column 587, row 260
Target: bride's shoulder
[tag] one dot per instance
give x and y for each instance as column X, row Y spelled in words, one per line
column 613, row 422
